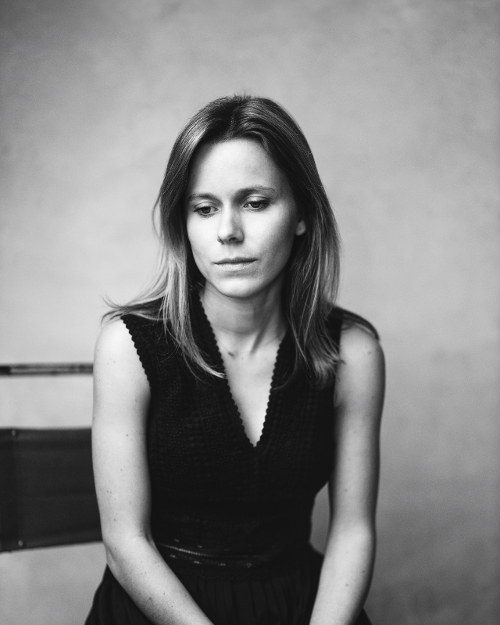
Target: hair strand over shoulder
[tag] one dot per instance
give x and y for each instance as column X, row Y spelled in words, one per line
column 312, row 273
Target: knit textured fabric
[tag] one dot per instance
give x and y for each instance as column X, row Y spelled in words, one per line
column 213, row 491
column 231, row 519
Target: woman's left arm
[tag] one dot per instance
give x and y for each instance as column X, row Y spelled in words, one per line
column 350, row 549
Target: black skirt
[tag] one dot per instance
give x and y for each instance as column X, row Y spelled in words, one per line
column 282, row 599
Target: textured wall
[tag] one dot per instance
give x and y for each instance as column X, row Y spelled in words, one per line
column 399, row 100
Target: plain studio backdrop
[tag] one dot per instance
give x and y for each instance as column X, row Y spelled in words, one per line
column 399, row 100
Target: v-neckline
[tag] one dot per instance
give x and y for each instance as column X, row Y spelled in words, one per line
column 240, row 426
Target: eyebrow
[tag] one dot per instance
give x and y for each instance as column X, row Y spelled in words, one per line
column 240, row 193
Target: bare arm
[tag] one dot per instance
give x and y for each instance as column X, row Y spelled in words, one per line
column 121, row 400
column 350, row 551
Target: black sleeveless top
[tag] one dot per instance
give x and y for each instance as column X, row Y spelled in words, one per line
column 212, row 490
column 232, row 520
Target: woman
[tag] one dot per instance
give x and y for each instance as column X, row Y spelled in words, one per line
column 230, row 393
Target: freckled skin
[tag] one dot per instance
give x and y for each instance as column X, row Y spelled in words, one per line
column 240, row 205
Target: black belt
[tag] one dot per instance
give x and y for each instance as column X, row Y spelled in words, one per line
column 199, row 555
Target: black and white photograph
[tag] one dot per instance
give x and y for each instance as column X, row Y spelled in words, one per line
column 250, row 312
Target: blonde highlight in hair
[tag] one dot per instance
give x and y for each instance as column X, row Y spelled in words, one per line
column 312, row 273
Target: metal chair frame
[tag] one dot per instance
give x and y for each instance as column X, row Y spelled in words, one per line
column 47, row 493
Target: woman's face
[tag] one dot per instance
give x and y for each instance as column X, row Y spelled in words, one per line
column 241, row 218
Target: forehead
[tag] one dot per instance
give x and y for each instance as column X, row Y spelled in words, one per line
column 233, row 164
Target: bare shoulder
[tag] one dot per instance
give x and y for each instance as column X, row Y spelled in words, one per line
column 361, row 370
column 114, row 337
column 358, row 345
column 116, row 355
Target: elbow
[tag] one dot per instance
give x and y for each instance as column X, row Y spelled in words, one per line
column 114, row 556
column 357, row 536
column 365, row 535
column 123, row 550
column 363, row 532
column 115, row 552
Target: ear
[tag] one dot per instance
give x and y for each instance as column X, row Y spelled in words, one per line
column 301, row 227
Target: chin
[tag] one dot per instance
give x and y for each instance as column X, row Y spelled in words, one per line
column 237, row 292
column 239, row 288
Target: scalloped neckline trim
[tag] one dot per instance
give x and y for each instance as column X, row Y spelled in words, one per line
column 215, row 351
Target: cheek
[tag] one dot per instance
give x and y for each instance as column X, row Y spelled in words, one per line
column 198, row 258
column 282, row 237
column 194, row 237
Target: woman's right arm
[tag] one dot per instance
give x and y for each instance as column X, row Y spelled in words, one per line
column 121, row 400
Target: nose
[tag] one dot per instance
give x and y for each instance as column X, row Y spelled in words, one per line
column 230, row 227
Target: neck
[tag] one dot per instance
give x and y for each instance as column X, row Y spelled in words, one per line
column 242, row 325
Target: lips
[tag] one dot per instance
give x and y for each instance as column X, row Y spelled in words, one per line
column 238, row 260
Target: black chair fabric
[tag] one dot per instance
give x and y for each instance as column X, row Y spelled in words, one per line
column 47, row 493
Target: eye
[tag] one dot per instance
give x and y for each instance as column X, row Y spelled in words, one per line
column 205, row 211
column 257, row 204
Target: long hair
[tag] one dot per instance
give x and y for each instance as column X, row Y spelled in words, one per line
column 312, row 273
